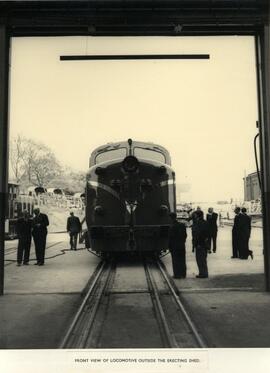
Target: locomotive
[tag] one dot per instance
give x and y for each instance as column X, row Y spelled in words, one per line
column 130, row 192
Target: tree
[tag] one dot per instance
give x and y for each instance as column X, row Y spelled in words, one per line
column 17, row 154
column 30, row 155
column 44, row 168
column 41, row 164
column 70, row 180
column 34, row 161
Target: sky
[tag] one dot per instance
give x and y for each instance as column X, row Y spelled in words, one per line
column 203, row 111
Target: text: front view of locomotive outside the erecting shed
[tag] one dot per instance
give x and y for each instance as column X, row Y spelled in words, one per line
column 130, row 192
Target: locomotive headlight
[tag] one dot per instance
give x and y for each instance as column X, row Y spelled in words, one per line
column 99, row 210
column 130, row 163
column 163, row 210
column 162, row 170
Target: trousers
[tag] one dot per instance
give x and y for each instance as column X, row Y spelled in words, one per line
column 213, row 240
column 40, row 245
column 23, row 251
column 73, row 240
column 201, row 259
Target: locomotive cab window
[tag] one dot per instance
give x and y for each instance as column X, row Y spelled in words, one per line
column 149, row 154
column 111, row 155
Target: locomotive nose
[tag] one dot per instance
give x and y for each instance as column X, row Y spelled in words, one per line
column 130, row 164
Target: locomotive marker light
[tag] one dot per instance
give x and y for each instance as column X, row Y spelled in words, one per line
column 163, row 210
column 99, row 210
column 162, row 170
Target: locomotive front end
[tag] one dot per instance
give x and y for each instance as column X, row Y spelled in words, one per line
column 128, row 199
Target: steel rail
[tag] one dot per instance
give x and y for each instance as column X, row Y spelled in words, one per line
column 192, row 326
column 80, row 310
column 82, row 343
column 170, row 339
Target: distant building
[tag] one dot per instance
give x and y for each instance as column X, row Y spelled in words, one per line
column 251, row 187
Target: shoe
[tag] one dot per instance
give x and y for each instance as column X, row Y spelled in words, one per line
column 209, row 252
column 41, row 264
column 37, row 264
column 251, row 254
column 201, row 276
column 214, row 251
column 234, row 257
column 19, row 264
column 26, row 264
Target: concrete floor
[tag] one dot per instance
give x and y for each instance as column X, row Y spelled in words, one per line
column 229, row 307
column 39, row 301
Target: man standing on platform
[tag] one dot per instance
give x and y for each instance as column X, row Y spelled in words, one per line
column 201, row 238
column 177, row 239
column 236, row 234
column 73, row 228
column 23, row 229
column 193, row 218
column 211, row 219
column 39, row 233
column 245, row 230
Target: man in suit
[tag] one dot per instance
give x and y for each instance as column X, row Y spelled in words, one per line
column 193, row 218
column 23, row 229
column 73, row 228
column 201, row 238
column 236, row 234
column 245, row 235
column 177, row 239
column 211, row 218
column 39, row 233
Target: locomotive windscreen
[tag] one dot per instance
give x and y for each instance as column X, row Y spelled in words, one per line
column 149, row 154
column 111, row 155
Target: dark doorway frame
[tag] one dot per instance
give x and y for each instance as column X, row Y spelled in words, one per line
column 174, row 18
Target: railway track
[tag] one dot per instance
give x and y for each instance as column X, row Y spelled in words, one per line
column 132, row 306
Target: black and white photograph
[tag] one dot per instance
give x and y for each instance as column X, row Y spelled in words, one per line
column 135, row 184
